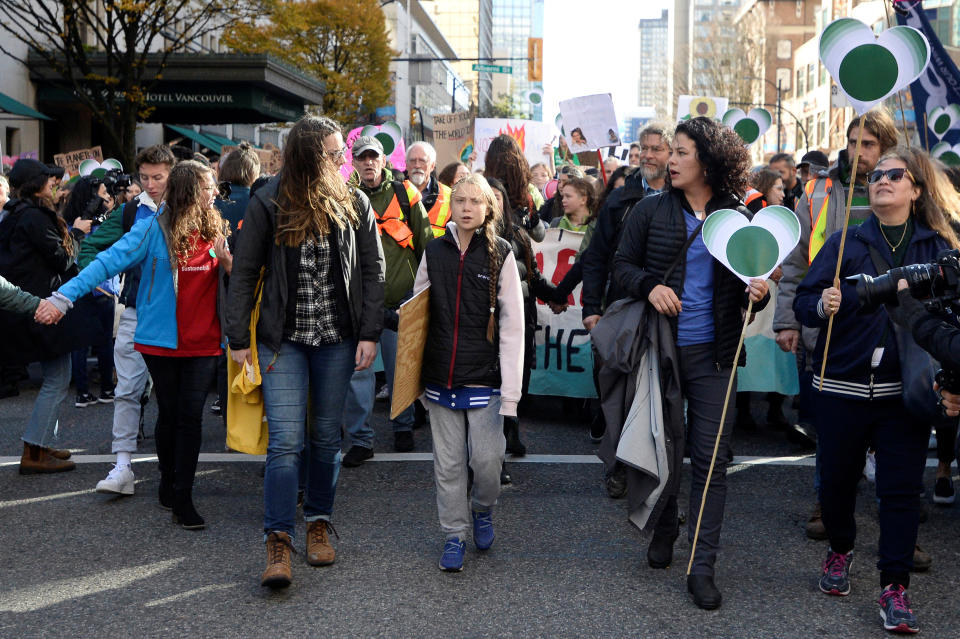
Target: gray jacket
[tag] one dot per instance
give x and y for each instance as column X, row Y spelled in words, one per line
column 629, row 334
column 16, row 300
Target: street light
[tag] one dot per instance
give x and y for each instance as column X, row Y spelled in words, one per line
column 779, row 107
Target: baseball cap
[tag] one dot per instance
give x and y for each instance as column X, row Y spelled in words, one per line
column 366, row 143
column 817, row 158
column 25, row 170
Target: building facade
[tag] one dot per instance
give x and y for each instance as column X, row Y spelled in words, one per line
column 467, row 25
column 514, row 22
column 655, row 83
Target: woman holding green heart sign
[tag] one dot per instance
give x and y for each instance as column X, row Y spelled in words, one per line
column 861, row 401
column 662, row 258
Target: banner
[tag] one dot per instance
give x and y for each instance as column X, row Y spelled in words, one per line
column 530, row 136
column 590, row 123
column 936, row 93
column 563, row 360
column 452, row 137
column 70, row 161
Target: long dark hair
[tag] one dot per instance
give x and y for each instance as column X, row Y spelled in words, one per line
column 311, row 193
column 511, row 228
column 30, row 191
column 506, row 162
column 721, row 153
column 83, row 191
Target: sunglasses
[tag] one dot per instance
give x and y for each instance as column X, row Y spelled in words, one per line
column 894, row 175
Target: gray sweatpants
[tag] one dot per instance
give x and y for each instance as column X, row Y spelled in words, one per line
column 132, row 377
column 457, row 434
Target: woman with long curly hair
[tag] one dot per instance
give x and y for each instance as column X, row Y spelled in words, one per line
column 315, row 242
column 663, row 259
column 181, row 251
column 506, row 162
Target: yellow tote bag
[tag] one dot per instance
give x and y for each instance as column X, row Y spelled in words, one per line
column 246, row 418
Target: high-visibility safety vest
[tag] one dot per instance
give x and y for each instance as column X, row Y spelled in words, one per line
column 751, row 196
column 818, row 197
column 439, row 213
column 393, row 221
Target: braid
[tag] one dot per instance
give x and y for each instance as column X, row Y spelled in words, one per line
column 489, row 230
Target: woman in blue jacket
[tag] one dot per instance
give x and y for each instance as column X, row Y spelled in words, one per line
column 181, row 250
column 860, row 403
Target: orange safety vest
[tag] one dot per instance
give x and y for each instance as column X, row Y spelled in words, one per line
column 392, row 221
column 753, row 194
column 439, row 213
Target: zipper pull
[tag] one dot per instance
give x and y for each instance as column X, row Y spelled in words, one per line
column 871, row 385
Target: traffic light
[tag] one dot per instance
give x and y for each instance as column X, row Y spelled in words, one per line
column 535, row 59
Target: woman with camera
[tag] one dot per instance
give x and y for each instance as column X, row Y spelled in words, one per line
column 662, row 258
column 860, row 404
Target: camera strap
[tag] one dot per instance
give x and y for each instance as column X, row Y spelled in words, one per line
column 882, row 266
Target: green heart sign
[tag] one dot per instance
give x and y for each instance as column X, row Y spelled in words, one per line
column 749, row 126
column 388, row 133
column 97, row 169
column 869, row 69
column 751, row 248
column 941, row 119
column 949, row 155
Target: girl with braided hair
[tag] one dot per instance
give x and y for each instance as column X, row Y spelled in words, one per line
column 474, row 366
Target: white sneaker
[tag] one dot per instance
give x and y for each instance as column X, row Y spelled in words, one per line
column 870, row 468
column 119, row 481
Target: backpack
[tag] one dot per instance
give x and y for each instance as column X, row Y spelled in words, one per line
column 129, row 215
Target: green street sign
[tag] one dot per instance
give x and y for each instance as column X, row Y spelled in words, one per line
column 492, row 68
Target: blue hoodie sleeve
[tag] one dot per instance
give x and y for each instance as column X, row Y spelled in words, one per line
column 128, row 251
column 820, row 277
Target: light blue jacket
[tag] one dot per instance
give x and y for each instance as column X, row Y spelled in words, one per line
column 145, row 245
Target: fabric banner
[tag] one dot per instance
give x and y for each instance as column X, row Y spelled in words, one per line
column 530, row 136
column 768, row 369
column 563, row 362
column 936, row 93
column 452, row 137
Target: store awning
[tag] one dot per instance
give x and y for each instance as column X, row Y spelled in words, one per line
column 9, row 105
column 200, row 138
column 222, row 140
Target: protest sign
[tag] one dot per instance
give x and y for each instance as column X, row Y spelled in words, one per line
column 271, row 160
column 749, row 126
column 563, row 359
column 70, row 161
column 397, row 156
column 530, row 136
column 452, row 137
column 411, row 340
column 589, row 122
column 751, row 248
column 693, row 106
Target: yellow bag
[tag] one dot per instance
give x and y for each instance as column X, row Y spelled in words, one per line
column 246, row 417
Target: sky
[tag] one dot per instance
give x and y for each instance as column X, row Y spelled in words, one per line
column 591, row 46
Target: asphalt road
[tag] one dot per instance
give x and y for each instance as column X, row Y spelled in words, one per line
column 566, row 561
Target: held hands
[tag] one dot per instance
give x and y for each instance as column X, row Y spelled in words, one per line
column 758, row 289
column 557, row 308
column 788, row 340
column 665, row 300
column 366, row 353
column 831, row 299
column 47, row 313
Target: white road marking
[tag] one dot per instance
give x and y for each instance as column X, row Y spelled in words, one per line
column 188, row 593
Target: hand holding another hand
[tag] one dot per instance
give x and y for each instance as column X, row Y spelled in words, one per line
column 47, row 313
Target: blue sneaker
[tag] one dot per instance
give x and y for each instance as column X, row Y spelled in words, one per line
column 895, row 611
column 836, row 573
column 452, row 558
column 482, row 529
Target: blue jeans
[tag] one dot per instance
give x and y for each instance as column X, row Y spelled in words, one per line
column 43, row 418
column 322, row 375
column 363, row 392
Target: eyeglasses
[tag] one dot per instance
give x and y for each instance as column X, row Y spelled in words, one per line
column 338, row 154
column 894, row 175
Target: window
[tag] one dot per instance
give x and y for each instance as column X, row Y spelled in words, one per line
column 821, row 139
column 823, row 75
column 811, row 77
column 800, row 86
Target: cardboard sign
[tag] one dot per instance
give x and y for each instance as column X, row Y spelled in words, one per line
column 530, row 136
column 563, row 359
column 693, row 106
column 271, row 159
column 411, row 340
column 452, row 137
column 590, row 122
column 70, row 161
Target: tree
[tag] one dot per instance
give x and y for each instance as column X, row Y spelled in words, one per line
column 342, row 42
column 111, row 53
column 505, row 106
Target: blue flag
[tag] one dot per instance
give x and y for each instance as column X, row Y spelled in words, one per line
column 936, row 93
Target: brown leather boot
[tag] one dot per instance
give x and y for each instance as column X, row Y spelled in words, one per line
column 59, row 453
column 37, row 459
column 319, row 549
column 278, row 573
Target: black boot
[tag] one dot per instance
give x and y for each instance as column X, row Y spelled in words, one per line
column 745, row 420
column 184, row 513
column 511, row 428
column 166, row 492
column 505, row 477
column 660, row 551
column 705, row 592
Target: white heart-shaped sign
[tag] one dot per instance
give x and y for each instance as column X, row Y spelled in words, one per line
column 869, row 69
column 941, row 119
column 949, row 155
column 98, row 169
column 749, row 126
column 751, row 248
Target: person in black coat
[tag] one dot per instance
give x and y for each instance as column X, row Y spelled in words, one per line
column 662, row 259
column 37, row 254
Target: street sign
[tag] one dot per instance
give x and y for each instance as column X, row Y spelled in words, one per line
column 492, row 68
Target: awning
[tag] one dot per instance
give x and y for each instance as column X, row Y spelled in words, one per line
column 9, row 105
column 200, row 138
column 222, row 140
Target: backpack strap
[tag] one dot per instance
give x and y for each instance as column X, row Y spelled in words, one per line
column 129, row 215
column 402, row 199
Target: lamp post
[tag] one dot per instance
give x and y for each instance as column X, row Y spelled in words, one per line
column 777, row 87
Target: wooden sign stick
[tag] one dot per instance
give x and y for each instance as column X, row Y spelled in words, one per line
column 843, row 242
column 716, row 444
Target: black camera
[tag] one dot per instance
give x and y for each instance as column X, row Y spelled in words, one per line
column 937, row 284
column 116, row 181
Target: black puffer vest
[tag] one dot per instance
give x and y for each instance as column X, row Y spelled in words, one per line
column 458, row 353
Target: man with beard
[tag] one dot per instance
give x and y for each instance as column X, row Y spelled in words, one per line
column 421, row 163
